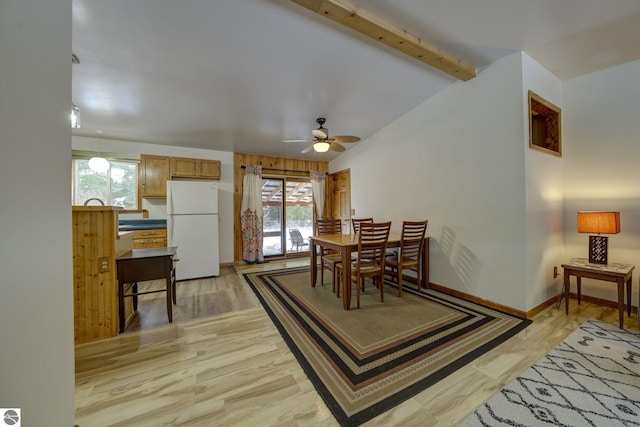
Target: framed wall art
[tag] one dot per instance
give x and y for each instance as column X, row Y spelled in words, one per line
column 545, row 133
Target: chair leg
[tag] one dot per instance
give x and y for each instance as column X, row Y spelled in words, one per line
column 336, row 281
column 399, row 279
column 321, row 271
column 358, row 290
column 381, row 280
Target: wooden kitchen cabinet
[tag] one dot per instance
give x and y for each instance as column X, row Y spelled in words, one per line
column 152, row 238
column 183, row 167
column 154, row 172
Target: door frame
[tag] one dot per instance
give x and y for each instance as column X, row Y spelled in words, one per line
column 284, row 224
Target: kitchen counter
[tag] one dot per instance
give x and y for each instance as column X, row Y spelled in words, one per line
column 78, row 208
column 141, row 224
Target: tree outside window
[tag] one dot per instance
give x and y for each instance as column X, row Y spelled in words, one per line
column 118, row 186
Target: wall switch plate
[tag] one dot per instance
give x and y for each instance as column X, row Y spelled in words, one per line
column 353, row 212
column 103, row 263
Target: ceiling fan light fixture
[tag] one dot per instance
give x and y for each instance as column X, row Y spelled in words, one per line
column 321, row 146
column 320, row 133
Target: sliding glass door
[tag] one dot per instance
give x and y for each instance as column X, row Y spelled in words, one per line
column 298, row 214
column 288, row 215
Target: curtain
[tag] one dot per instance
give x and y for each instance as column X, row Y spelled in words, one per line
column 251, row 216
column 318, row 179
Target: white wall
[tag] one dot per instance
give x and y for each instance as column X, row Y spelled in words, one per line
column 602, row 158
column 544, row 202
column 158, row 207
column 502, row 215
column 457, row 160
column 36, row 275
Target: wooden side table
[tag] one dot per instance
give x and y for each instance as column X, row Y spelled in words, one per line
column 140, row 265
column 617, row 273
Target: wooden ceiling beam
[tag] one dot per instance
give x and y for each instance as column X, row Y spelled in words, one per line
column 364, row 22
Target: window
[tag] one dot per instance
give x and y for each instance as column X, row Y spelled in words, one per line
column 118, row 186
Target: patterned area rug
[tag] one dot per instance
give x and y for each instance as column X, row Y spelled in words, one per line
column 592, row 378
column 368, row 360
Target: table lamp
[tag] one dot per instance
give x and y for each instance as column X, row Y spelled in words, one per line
column 598, row 223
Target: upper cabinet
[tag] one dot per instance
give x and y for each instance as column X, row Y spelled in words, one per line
column 154, row 173
column 182, row 167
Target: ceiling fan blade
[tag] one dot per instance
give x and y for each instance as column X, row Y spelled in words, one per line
column 308, row 149
column 295, row 140
column 336, row 147
column 346, row 138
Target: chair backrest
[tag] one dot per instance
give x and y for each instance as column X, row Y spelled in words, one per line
column 296, row 236
column 328, row 226
column 357, row 221
column 372, row 242
column 412, row 237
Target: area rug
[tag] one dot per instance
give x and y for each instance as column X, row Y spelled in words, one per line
column 592, row 378
column 365, row 361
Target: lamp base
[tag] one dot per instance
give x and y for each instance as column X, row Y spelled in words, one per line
column 598, row 249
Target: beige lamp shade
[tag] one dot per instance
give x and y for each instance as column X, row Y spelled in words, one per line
column 599, row 222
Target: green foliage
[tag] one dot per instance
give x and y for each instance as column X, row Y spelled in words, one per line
column 116, row 187
column 299, row 216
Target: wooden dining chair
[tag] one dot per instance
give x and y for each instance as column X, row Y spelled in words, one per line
column 355, row 222
column 329, row 259
column 409, row 254
column 372, row 245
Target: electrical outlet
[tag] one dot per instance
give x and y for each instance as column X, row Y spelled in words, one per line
column 555, row 271
column 103, row 264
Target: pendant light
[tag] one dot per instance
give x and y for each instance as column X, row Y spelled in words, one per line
column 117, row 173
column 99, row 164
column 75, row 111
column 75, row 117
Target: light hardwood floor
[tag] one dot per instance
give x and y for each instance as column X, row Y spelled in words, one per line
column 230, row 366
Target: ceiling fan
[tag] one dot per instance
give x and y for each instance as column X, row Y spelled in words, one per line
column 322, row 142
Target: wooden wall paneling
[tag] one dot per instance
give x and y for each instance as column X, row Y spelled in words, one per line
column 95, row 237
column 97, row 282
column 78, row 282
column 278, row 166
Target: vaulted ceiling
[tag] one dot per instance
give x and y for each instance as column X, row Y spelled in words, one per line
column 242, row 75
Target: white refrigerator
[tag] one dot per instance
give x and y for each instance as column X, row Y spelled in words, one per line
column 192, row 226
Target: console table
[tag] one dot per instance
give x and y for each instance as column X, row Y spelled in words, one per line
column 617, row 273
column 140, row 265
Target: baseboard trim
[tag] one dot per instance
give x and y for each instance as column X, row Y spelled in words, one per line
column 475, row 299
column 530, row 313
